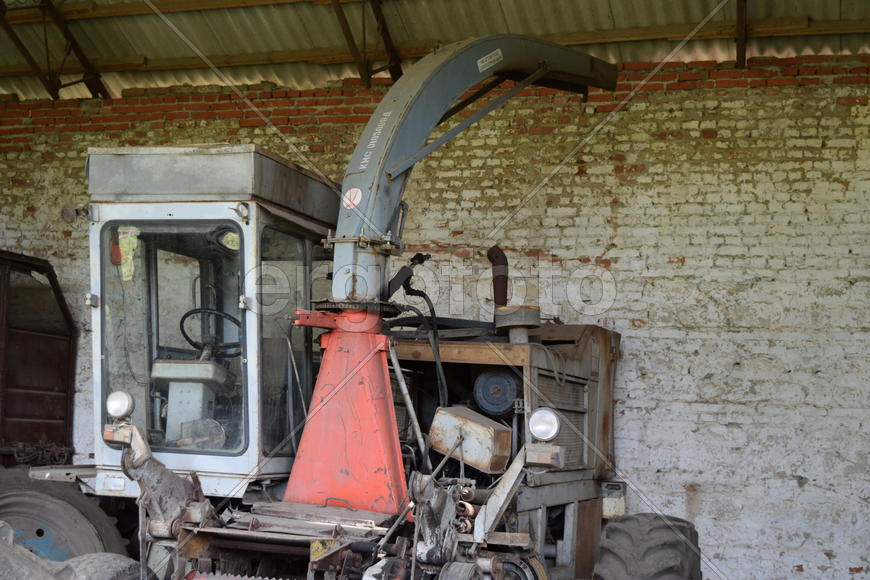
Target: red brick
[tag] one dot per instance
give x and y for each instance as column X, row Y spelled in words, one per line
column 852, row 101
column 726, row 74
column 759, row 73
column 637, row 66
column 605, row 108
column 628, row 168
column 731, row 83
column 852, row 80
column 599, row 97
column 782, row 82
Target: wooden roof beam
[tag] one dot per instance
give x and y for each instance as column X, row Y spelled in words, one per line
column 50, row 85
column 742, row 33
column 394, row 61
column 360, row 58
column 341, row 55
column 90, row 10
column 91, row 76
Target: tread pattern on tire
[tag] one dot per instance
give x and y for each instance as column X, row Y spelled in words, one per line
column 647, row 547
column 105, row 566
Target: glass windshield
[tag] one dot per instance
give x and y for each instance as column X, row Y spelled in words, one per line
column 172, row 331
column 290, row 276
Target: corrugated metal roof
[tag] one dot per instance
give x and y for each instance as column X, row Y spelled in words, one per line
column 310, row 25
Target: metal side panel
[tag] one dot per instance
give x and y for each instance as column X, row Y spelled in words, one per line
column 170, row 175
column 209, row 173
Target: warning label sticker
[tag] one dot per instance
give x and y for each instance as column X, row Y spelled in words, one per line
column 351, row 198
column 490, row 60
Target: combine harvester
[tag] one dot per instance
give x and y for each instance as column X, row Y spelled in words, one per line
column 254, row 454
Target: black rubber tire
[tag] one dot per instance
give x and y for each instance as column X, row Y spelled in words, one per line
column 648, row 547
column 75, row 520
column 105, row 566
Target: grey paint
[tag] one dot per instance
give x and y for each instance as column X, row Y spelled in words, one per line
column 208, row 173
column 406, row 117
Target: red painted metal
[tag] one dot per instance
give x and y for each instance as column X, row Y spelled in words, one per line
column 350, row 454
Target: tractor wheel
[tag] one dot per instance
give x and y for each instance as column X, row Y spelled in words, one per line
column 105, row 566
column 647, row 546
column 55, row 520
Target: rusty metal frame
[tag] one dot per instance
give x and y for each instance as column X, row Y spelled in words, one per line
column 12, row 261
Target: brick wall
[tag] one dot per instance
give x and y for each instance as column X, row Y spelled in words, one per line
column 728, row 208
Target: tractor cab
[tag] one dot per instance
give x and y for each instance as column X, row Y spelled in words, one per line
column 199, row 257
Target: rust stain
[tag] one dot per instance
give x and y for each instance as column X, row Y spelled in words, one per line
column 799, row 568
column 638, row 322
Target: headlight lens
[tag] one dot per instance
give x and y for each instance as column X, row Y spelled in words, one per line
column 119, row 404
column 544, row 424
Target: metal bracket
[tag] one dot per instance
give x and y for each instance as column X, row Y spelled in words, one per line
column 491, row 512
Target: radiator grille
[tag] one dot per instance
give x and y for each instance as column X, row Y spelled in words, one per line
column 569, row 398
column 569, row 438
column 572, row 393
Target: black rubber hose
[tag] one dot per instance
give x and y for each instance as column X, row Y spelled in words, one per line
column 433, row 339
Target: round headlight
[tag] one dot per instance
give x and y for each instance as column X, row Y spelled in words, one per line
column 119, row 404
column 544, row 424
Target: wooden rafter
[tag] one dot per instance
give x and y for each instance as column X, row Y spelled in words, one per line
column 50, row 79
column 91, row 77
column 90, row 10
column 394, row 64
column 359, row 58
column 742, row 33
column 337, row 55
column 48, row 83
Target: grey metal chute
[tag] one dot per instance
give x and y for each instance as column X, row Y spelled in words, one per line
column 370, row 215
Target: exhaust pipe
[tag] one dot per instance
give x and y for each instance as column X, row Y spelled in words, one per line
column 499, row 262
column 516, row 320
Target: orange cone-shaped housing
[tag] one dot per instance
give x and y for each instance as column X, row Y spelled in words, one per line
column 350, row 454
